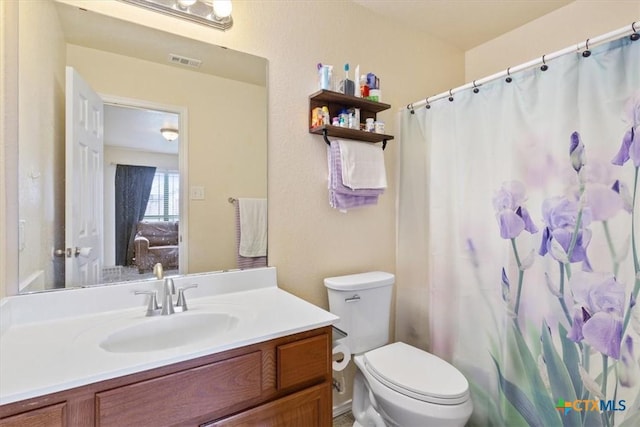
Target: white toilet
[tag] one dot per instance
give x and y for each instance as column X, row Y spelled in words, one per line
column 395, row 384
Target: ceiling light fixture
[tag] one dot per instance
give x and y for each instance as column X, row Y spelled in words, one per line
column 169, row 134
column 214, row 13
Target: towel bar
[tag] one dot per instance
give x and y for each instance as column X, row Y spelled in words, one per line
column 325, row 134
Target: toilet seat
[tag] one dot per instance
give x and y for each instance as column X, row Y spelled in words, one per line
column 417, row 374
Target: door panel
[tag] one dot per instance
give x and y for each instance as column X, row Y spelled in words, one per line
column 83, row 188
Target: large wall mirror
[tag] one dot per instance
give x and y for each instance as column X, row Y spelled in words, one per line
column 97, row 177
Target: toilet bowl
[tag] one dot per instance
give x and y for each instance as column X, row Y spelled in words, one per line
column 395, row 384
column 400, row 385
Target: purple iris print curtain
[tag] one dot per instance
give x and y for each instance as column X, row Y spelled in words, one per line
column 519, row 240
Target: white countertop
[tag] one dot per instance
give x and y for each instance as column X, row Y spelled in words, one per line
column 55, row 353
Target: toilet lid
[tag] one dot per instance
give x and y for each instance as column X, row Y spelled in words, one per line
column 418, row 374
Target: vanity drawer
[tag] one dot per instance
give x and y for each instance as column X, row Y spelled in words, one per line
column 50, row 416
column 303, row 361
column 310, row 407
column 174, row 399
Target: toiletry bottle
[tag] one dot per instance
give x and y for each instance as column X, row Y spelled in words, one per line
column 364, row 88
column 356, row 119
column 326, row 118
column 369, row 125
column 344, row 118
column 324, row 76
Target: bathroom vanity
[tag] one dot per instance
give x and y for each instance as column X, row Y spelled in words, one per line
column 270, row 365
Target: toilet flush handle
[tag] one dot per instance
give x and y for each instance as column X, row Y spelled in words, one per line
column 354, row 298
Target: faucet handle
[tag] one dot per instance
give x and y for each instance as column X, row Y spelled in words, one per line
column 182, row 302
column 152, row 308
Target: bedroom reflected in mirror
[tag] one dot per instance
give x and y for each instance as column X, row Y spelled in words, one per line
column 131, row 142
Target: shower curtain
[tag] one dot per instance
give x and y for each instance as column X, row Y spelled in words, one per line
column 519, row 240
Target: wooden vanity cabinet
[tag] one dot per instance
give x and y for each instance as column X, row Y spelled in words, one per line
column 285, row 381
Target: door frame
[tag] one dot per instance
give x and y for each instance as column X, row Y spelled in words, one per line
column 183, row 252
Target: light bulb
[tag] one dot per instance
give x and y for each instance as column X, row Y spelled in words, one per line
column 183, row 4
column 222, row 8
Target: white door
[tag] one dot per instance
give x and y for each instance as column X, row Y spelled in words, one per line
column 83, row 188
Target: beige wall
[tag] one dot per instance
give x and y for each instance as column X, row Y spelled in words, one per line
column 565, row 27
column 307, row 239
column 41, row 133
column 226, row 147
column 8, row 146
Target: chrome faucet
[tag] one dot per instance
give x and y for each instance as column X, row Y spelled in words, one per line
column 168, row 290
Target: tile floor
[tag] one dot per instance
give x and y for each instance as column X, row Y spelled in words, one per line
column 344, row 420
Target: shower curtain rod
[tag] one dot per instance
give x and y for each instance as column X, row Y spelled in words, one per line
column 613, row 35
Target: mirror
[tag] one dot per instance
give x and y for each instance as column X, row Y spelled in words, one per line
column 215, row 97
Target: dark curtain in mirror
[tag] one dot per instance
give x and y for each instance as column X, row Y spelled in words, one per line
column 133, row 187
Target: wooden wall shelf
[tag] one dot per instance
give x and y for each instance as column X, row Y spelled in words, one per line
column 324, row 97
column 336, row 102
column 348, row 133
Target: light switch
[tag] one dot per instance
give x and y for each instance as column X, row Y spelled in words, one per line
column 197, row 193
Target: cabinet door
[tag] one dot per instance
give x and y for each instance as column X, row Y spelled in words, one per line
column 309, row 408
column 303, row 361
column 51, row 416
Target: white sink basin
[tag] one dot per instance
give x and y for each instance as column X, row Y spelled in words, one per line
column 164, row 332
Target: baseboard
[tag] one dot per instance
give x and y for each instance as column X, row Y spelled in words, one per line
column 343, row 408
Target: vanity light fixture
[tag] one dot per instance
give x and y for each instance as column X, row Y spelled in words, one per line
column 169, row 134
column 214, row 13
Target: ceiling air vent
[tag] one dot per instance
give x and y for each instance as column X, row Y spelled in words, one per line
column 183, row 60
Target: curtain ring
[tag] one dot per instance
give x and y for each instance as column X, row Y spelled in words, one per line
column 587, row 52
column 428, row 106
column 410, row 108
column 635, row 36
column 509, row 79
column 475, row 88
column 544, row 66
column 450, row 95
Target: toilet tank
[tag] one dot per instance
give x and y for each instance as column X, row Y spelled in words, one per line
column 363, row 303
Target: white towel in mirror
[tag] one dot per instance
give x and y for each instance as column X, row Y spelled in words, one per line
column 253, row 227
